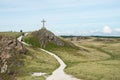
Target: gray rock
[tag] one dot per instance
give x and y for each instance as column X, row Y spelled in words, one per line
column 10, row 49
column 45, row 36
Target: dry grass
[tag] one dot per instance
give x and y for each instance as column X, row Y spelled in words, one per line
column 95, row 60
column 34, row 60
column 11, row 34
column 37, row 61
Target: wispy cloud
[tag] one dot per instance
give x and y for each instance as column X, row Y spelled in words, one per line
column 117, row 29
column 107, row 30
column 73, row 16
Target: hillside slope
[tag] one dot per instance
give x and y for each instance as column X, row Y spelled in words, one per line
column 19, row 62
column 97, row 60
column 46, row 39
column 11, row 51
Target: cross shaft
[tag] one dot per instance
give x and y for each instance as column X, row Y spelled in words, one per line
column 43, row 21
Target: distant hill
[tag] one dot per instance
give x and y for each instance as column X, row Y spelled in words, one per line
column 71, row 36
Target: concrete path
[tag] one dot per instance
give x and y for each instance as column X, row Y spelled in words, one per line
column 59, row 73
column 20, row 40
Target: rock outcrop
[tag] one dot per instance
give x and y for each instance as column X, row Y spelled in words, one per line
column 45, row 36
column 10, row 49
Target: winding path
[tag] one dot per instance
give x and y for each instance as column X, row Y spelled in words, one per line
column 59, row 73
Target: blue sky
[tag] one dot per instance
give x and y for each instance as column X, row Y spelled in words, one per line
column 64, row 17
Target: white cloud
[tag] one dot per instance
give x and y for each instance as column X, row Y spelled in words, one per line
column 107, row 30
column 117, row 29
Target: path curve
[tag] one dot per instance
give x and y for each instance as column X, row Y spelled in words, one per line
column 59, row 73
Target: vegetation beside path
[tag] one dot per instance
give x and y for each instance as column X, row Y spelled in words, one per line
column 10, row 34
column 34, row 60
column 93, row 59
column 37, row 61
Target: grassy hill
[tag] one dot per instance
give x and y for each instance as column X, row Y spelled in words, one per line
column 43, row 38
column 93, row 58
column 11, row 51
column 10, row 34
column 34, row 60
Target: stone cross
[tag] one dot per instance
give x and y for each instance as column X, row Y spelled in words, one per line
column 43, row 21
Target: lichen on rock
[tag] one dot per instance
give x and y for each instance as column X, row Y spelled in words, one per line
column 45, row 36
column 10, row 51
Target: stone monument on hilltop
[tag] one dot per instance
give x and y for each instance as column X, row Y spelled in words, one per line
column 46, row 37
column 43, row 21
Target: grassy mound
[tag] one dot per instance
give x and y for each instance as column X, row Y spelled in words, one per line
column 34, row 41
column 23, row 65
column 11, row 53
column 36, row 61
column 10, row 34
column 102, row 62
column 93, row 59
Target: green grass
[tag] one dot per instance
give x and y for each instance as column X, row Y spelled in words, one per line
column 36, row 61
column 95, row 60
column 31, row 78
column 30, row 39
column 33, row 40
column 14, row 62
column 10, row 34
column 108, row 69
column 98, row 70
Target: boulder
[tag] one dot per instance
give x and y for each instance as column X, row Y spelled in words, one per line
column 45, row 36
column 10, row 49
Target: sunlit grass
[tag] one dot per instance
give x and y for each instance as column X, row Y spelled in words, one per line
column 31, row 78
column 11, row 34
column 102, row 70
column 93, row 61
column 37, row 61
